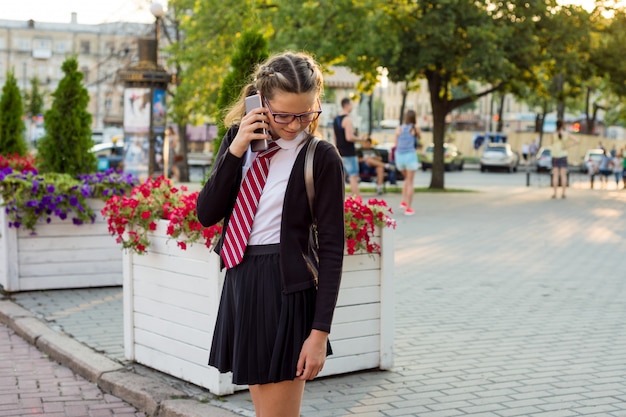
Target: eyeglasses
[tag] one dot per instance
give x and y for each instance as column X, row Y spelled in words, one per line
column 286, row 118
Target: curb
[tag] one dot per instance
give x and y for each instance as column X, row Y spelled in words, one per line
column 152, row 396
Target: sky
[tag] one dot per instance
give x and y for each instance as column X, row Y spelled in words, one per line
column 101, row 11
column 88, row 11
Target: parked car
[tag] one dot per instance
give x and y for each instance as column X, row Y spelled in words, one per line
column 544, row 159
column 109, row 155
column 592, row 156
column 452, row 157
column 499, row 155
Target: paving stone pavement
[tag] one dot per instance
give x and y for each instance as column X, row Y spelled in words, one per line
column 32, row 384
column 508, row 303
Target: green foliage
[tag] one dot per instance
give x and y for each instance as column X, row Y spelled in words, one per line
column 211, row 28
column 65, row 147
column 251, row 49
column 34, row 99
column 11, row 125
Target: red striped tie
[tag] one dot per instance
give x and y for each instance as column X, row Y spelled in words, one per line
column 240, row 223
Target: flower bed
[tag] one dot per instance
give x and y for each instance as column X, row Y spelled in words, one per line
column 171, row 299
column 132, row 217
column 172, row 286
column 40, row 248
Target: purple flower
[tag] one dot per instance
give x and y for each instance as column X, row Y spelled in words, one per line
column 50, row 188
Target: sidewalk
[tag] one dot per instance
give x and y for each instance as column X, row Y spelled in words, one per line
column 508, row 304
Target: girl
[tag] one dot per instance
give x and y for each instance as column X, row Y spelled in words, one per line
column 274, row 318
column 407, row 136
column 559, row 158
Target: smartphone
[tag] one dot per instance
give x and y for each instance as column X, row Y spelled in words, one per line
column 253, row 102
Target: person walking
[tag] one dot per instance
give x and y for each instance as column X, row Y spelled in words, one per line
column 345, row 139
column 560, row 143
column 278, row 300
column 407, row 137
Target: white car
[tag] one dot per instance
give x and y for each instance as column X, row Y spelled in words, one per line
column 544, row 160
column 499, row 155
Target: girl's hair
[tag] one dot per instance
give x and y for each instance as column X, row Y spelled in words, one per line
column 288, row 72
column 559, row 128
column 410, row 118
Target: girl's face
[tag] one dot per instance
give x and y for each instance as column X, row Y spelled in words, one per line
column 282, row 105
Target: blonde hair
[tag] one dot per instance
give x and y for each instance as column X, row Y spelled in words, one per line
column 289, row 72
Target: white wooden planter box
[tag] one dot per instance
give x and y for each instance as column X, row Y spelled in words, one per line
column 60, row 255
column 171, row 298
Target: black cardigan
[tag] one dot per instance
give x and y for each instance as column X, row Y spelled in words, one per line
column 217, row 199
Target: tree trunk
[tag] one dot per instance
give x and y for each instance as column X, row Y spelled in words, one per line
column 184, row 150
column 440, row 111
column 500, row 113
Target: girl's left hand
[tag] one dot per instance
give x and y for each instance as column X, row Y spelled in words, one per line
column 312, row 356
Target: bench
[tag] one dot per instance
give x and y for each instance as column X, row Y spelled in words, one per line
column 200, row 160
column 368, row 176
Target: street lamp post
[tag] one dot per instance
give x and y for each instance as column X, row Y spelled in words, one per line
column 145, row 83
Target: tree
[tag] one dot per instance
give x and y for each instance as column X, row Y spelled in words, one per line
column 65, row 148
column 251, row 50
column 11, row 124
column 34, row 99
column 450, row 43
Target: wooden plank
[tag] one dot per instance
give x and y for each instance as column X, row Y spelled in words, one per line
column 69, row 281
column 352, row 279
column 347, row 314
column 166, row 311
column 67, row 241
column 356, row 346
column 83, row 255
column 355, row 329
column 201, row 375
column 337, row 366
column 184, row 299
column 362, row 295
column 168, row 266
column 193, row 335
column 84, row 269
column 172, row 347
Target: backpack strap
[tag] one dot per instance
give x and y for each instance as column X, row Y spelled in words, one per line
column 308, row 173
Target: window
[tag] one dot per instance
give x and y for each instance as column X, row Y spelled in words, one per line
column 42, row 48
column 22, row 44
column 85, row 47
column 60, row 47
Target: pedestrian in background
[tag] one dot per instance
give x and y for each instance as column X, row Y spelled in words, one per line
column 560, row 143
column 174, row 155
column 605, row 168
column 407, row 139
column 274, row 315
column 618, row 167
column 371, row 162
column 345, row 139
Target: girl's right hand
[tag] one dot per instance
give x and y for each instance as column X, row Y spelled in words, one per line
column 255, row 119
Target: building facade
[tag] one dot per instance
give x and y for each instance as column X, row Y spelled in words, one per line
column 38, row 49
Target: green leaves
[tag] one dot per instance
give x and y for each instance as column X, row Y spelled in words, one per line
column 11, row 124
column 66, row 146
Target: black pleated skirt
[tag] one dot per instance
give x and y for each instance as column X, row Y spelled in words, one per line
column 260, row 330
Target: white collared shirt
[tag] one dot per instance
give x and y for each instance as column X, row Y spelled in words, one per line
column 267, row 221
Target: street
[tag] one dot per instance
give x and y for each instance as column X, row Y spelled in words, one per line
column 508, row 303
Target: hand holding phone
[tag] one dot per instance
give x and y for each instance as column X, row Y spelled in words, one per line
column 254, row 102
